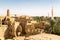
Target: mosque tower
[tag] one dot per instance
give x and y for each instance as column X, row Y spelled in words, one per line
column 52, row 14
column 8, row 13
column 48, row 14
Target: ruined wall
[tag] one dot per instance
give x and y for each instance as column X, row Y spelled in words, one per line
column 2, row 31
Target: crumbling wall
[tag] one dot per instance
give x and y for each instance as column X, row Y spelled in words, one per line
column 2, row 31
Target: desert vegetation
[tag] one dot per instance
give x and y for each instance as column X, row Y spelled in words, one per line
column 54, row 24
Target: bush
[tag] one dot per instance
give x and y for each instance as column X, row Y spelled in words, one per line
column 57, row 27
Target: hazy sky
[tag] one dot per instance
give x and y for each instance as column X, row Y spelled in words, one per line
column 30, row 7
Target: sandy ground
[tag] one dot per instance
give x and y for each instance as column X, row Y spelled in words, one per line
column 42, row 36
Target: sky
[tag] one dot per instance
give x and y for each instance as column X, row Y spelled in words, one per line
column 30, row 7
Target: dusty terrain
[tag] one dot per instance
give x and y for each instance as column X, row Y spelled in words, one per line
column 43, row 36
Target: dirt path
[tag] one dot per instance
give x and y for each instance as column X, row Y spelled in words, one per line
column 43, row 36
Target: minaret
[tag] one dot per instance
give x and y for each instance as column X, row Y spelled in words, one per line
column 52, row 13
column 8, row 13
column 48, row 14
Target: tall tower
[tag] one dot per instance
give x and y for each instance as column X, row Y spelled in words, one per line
column 8, row 13
column 48, row 14
column 52, row 13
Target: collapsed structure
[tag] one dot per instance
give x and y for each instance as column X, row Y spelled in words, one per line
column 16, row 26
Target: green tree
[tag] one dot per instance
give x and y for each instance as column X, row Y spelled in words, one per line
column 57, row 27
